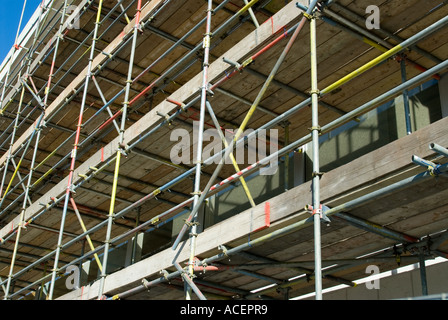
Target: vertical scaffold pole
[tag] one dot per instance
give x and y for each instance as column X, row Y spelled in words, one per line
column 74, row 152
column 121, row 149
column 315, row 132
column 274, row 70
column 22, row 213
column 253, row 107
column 198, row 164
column 56, row 49
column 11, row 143
column 407, row 114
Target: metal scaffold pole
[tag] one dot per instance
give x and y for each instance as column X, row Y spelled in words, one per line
column 55, row 53
column 198, row 161
column 22, row 224
column 69, row 190
column 121, row 150
column 407, row 114
column 315, row 132
column 11, row 143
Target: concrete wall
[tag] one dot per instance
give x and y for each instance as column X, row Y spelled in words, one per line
column 234, row 200
column 226, row 204
column 378, row 128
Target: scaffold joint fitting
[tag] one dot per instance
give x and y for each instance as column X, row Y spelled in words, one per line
column 318, row 128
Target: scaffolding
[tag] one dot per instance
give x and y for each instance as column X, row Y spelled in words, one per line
column 62, row 147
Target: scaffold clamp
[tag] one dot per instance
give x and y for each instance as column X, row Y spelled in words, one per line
column 145, row 283
column 320, row 211
column 434, row 170
column 431, row 167
column 166, row 116
column 309, row 208
column 190, row 224
column 317, row 174
column 223, row 249
column 164, row 273
column 318, row 128
column 234, row 64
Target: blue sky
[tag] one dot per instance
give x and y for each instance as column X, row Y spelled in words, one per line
column 9, row 21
